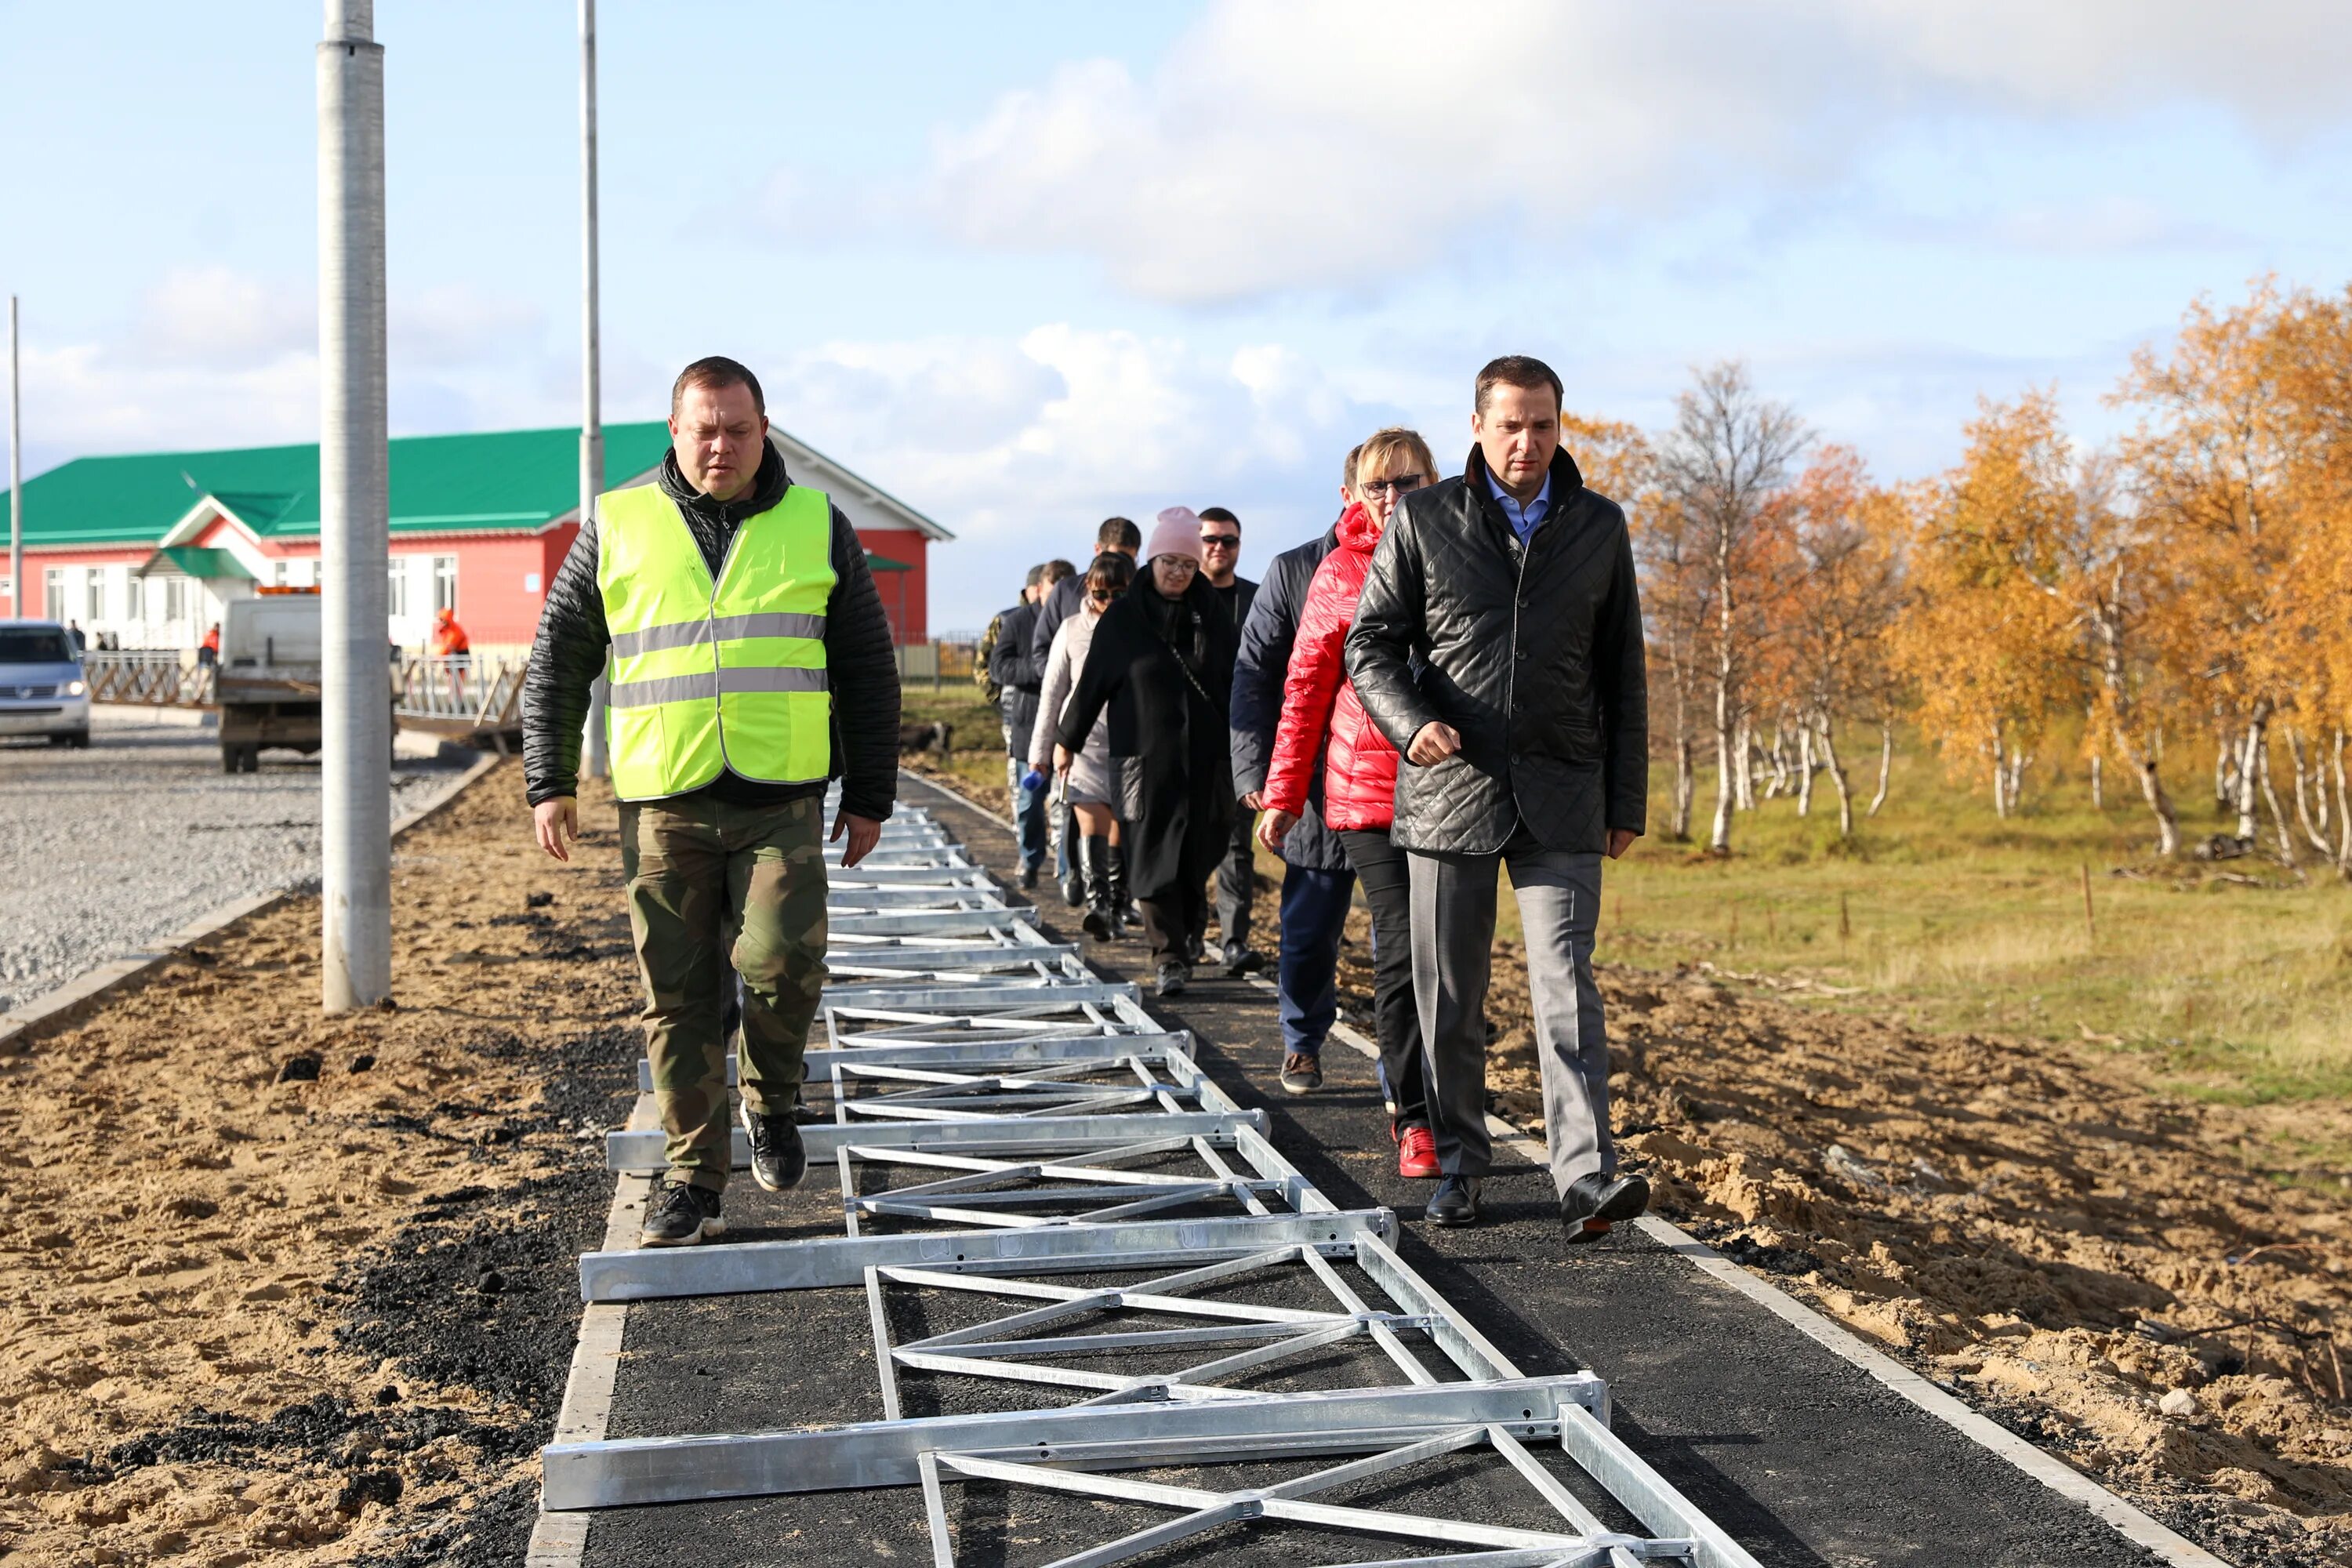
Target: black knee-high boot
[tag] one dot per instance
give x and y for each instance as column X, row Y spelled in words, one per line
column 1095, row 863
column 1122, row 901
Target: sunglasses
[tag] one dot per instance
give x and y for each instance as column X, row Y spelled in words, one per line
column 1396, row 486
column 1105, row 595
column 1224, row 541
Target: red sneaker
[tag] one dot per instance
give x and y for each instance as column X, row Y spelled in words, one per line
column 1416, row 1153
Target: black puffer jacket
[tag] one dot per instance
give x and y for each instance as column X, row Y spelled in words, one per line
column 1267, row 634
column 861, row 667
column 1019, row 675
column 1534, row 654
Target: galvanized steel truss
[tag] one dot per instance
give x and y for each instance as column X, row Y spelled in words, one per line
column 1004, row 1121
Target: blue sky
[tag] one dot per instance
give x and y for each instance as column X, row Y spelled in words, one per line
column 1028, row 264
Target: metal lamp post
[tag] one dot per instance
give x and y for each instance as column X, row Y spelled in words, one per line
column 592, row 416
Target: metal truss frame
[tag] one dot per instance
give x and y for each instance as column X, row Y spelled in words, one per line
column 1003, row 1120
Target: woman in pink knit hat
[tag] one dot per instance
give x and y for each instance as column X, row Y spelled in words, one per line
column 1162, row 663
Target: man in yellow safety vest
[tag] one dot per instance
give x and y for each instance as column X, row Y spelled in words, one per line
column 750, row 663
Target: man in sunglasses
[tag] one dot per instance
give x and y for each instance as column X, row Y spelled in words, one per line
column 1220, row 551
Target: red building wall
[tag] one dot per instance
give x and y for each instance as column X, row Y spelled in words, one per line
column 906, row 596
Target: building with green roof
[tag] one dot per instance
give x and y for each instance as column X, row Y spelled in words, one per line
column 148, row 546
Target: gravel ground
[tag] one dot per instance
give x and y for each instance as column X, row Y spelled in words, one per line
column 106, row 850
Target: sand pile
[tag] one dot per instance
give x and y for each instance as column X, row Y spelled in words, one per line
column 282, row 1288
column 2154, row 1288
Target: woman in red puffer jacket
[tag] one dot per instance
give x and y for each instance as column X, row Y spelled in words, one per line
column 1321, row 719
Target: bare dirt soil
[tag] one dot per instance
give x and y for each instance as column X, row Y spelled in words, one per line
column 286, row 1288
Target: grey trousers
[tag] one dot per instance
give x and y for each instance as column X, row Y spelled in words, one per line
column 1453, row 936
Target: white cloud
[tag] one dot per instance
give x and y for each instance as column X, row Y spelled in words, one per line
column 1023, row 447
column 226, row 320
column 1339, row 142
column 456, row 325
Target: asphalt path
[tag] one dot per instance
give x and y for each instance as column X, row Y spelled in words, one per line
column 1804, row 1459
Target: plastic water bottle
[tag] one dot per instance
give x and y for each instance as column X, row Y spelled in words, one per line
column 1033, row 780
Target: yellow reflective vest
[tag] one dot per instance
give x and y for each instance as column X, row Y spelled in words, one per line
column 718, row 676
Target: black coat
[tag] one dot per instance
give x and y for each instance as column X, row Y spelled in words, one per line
column 1268, row 632
column 1167, row 732
column 1533, row 653
column 1020, row 676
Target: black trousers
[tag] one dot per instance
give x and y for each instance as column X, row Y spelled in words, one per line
column 1171, row 925
column 1383, row 870
column 1237, row 883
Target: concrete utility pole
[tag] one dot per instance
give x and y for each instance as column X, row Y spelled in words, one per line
column 353, row 514
column 592, row 416
column 16, row 475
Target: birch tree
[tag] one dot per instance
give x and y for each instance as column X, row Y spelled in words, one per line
column 1719, row 468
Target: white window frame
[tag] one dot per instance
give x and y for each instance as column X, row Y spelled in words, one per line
column 395, row 597
column 445, row 577
column 94, row 596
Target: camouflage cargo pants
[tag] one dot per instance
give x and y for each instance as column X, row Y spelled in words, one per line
column 708, row 882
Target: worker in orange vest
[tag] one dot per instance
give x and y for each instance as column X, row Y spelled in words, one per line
column 448, row 636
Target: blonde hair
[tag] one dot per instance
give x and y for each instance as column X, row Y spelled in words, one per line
column 1394, row 450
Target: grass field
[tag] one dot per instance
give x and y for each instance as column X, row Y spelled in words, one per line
column 2235, row 980
column 2232, row 981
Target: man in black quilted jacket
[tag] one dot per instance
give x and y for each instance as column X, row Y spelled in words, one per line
column 1499, row 645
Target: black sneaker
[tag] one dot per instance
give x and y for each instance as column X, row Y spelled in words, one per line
column 680, row 1215
column 1174, row 977
column 1028, row 879
column 779, row 1159
column 1456, row 1200
column 1594, row 1203
column 1242, row 961
column 1301, row 1074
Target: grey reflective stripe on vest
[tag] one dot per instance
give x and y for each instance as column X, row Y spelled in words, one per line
column 709, row 683
column 687, row 634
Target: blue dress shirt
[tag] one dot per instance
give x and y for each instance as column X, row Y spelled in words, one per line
column 1524, row 520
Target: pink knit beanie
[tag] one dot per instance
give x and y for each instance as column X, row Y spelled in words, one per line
column 1178, row 532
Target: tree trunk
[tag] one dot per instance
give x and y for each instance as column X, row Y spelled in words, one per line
column 1726, row 770
column 1885, row 764
column 1684, row 787
column 2262, row 766
column 2250, row 771
column 2018, row 761
column 1744, row 778
column 2343, row 815
column 2151, row 785
column 2225, row 778
column 1778, row 758
column 2098, row 783
column 2000, row 778
column 1805, row 771
column 1836, row 771
column 2315, row 832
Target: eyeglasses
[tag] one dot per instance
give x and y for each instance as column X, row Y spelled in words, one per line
column 1397, row 485
column 1177, row 562
column 1221, row 542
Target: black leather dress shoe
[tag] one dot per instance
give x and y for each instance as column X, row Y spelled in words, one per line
column 1456, row 1200
column 1594, row 1203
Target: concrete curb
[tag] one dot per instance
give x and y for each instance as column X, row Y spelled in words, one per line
column 77, row 997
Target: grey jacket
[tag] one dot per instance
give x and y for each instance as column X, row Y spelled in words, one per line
column 1533, row 653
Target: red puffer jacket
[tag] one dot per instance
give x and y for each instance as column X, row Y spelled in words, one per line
column 1360, row 766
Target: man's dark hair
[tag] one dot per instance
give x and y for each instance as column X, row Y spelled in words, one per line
column 1036, row 575
column 1521, row 371
column 1058, row 569
column 714, row 373
column 1219, row 514
column 1119, row 533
